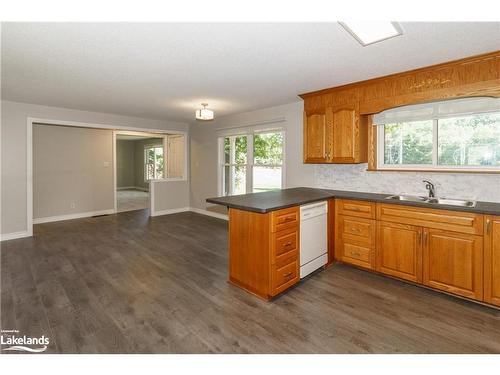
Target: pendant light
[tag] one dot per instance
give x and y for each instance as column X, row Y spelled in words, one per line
column 204, row 114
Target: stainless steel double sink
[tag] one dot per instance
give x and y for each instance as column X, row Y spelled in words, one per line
column 433, row 201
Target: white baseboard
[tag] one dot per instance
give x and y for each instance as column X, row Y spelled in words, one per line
column 209, row 213
column 133, row 188
column 125, row 188
column 14, row 235
column 169, row 211
column 79, row 215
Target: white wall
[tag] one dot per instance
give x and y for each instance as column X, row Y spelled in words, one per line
column 204, row 152
column 72, row 171
column 169, row 197
column 14, row 147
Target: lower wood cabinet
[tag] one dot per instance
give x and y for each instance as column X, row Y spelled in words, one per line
column 355, row 234
column 454, row 262
column 492, row 260
column 399, row 251
column 264, row 250
column 444, row 250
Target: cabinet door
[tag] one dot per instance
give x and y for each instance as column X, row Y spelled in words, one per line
column 399, row 251
column 316, row 137
column 453, row 262
column 344, row 135
column 492, row 260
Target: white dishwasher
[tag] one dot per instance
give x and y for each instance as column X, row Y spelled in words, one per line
column 313, row 237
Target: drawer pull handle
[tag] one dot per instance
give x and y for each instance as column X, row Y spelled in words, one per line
column 289, row 219
column 287, row 275
column 355, row 230
column 288, row 244
column 356, row 254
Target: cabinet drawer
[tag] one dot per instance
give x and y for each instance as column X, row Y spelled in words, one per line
column 284, row 276
column 285, row 241
column 355, row 208
column 357, row 252
column 358, row 230
column 285, row 219
column 464, row 222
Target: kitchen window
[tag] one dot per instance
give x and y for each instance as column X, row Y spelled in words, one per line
column 436, row 137
column 252, row 162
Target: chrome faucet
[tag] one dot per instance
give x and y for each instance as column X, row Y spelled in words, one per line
column 430, row 186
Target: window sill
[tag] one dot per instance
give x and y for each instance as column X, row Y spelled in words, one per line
column 485, row 171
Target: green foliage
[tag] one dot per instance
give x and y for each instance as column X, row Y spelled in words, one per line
column 268, row 148
column 468, row 141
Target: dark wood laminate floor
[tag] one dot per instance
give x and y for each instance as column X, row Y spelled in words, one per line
column 129, row 284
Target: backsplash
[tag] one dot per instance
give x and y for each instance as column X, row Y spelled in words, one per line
column 482, row 187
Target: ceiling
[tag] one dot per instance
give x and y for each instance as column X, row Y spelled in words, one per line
column 164, row 71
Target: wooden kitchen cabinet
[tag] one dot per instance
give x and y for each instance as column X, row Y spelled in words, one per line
column 317, row 132
column 264, row 250
column 453, row 262
column 335, row 135
column 355, row 232
column 349, row 136
column 399, row 251
column 492, row 260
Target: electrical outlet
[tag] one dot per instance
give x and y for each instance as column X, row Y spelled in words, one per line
column 106, row 164
column 72, row 205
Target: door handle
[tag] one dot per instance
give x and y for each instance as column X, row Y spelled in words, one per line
column 425, row 237
column 419, row 238
column 488, row 226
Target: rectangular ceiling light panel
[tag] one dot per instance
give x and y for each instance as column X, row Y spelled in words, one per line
column 369, row 32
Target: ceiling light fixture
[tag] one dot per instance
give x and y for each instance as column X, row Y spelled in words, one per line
column 204, row 114
column 369, row 32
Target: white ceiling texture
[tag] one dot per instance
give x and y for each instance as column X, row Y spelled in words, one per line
column 165, row 70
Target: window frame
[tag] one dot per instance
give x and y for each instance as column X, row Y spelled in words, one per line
column 249, row 133
column 380, row 155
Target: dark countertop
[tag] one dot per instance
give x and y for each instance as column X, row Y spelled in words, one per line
column 279, row 199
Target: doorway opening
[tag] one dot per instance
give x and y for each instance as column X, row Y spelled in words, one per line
column 142, row 158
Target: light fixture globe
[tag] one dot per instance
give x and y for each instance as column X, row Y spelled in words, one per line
column 204, row 114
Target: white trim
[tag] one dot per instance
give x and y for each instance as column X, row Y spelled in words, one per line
column 169, row 211
column 252, row 126
column 14, row 235
column 133, row 188
column 80, row 215
column 115, row 180
column 31, row 121
column 29, row 177
column 209, row 213
column 104, row 126
column 152, row 211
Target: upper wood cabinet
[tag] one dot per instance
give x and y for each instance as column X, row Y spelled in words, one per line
column 337, row 135
column 492, row 260
column 336, row 119
column 316, row 137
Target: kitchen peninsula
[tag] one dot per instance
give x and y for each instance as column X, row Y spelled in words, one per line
column 441, row 246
